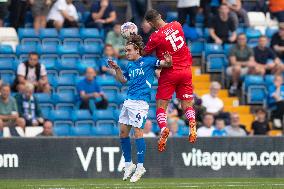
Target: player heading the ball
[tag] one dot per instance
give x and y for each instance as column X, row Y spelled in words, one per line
column 139, row 75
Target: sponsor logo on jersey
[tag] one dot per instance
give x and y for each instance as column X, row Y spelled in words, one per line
column 187, row 96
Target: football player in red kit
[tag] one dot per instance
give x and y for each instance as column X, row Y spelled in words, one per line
column 169, row 38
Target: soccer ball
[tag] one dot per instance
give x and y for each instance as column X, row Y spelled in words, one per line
column 128, row 29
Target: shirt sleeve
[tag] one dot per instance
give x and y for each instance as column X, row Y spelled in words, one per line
column 274, row 40
column 61, row 5
column 154, row 62
column 151, row 44
column 21, row 70
column 272, row 55
column 232, row 51
column 232, row 26
column 43, row 71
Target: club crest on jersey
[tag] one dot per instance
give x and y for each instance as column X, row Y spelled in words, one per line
column 141, row 63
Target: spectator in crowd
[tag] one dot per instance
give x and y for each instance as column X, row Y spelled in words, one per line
column 277, row 41
column 138, row 10
column 18, row 10
column 219, row 129
column 237, row 11
column 115, row 39
column 40, row 10
column 209, row 8
column 29, row 109
column 213, row 104
column 47, row 130
column 109, row 54
column 145, row 31
column 34, row 72
column 266, row 59
column 221, row 26
column 185, row 8
column 276, row 95
column 147, row 131
column 3, row 11
column 235, row 128
column 260, row 126
column 173, row 126
column 242, row 61
column 89, row 89
column 276, row 8
column 9, row 116
column 207, row 128
column 62, row 14
column 199, row 110
column 103, row 15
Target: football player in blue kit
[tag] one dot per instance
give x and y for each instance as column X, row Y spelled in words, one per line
column 139, row 74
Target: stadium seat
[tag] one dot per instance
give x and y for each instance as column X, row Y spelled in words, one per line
column 7, row 76
column 27, row 33
column 73, row 42
column 196, row 48
column 256, row 95
column 92, row 33
column 7, row 64
column 105, row 80
column 190, row 33
column 252, row 33
column 65, row 101
column 269, row 80
column 81, row 115
column 270, row 31
column 211, row 48
column 48, row 33
column 86, row 63
column 252, row 80
column 67, row 49
column 257, row 19
column 111, row 95
column 171, row 16
column 90, row 50
column 25, row 49
column 227, row 48
column 104, row 130
column 66, row 84
column 81, row 130
column 183, row 130
column 59, row 115
column 216, row 62
column 47, row 49
column 44, row 98
column 9, row 36
column 51, row 41
column 6, row 49
column 69, row 33
column 61, row 129
column 152, row 113
column 68, row 66
column 105, row 115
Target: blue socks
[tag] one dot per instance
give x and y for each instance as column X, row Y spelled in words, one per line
column 141, row 148
column 126, row 148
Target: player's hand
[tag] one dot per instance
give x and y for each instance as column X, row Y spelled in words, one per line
column 112, row 64
column 168, row 59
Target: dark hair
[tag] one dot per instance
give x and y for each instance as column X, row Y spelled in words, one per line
column 152, row 15
column 33, row 53
column 137, row 42
column 260, row 110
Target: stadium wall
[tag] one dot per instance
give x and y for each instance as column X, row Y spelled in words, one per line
column 101, row 158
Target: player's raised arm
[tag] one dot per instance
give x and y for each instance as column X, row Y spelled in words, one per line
column 167, row 62
column 119, row 75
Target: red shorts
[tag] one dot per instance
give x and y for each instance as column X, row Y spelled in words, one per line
column 179, row 81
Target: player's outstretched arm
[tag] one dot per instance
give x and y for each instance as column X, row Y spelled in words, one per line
column 119, row 75
column 167, row 62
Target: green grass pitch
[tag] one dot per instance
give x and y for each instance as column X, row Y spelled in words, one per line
column 259, row 183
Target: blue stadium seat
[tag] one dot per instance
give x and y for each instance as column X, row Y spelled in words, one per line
column 81, row 130
column 152, row 113
column 269, row 32
column 81, row 115
column 61, row 129
column 155, row 127
column 190, row 33
column 73, row 42
column 105, row 115
column 252, row 80
column 48, row 33
column 59, row 115
column 92, row 33
column 47, row 49
column 183, row 130
column 65, row 101
column 171, row 16
column 256, row 95
column 86, row 63
column 45, row 109
column 106, row 81
column 27, row 33
column 44, row 98
column 66, row 84
column 111, row 96
column 196, row 48
column 240, row 30
column 6, row 49
column 252, row 33
column 227, row 48
column 25, row 49
column 7, row 65
column 269, row 80
column 212, row 48
column 50, row 64
column 64, row 49
column 105, row 130
column 69, row 33
column 7, row 77
column 51, row 41
column 68, row 66
column 216, row 62
column 92, row 50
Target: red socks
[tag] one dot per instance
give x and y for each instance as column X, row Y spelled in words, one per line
column 161, row 118
column 190, row 113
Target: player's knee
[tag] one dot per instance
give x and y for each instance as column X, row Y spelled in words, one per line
column 123, row 133
column 138, row 133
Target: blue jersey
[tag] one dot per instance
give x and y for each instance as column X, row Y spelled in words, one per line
column 140, row 76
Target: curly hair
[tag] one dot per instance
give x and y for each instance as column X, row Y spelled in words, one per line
column 137, row 42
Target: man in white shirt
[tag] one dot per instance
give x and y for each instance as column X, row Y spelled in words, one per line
column 186, row 7
column 147, row 131
column 34, row 72
column 235, row 128
column 207, row 129
column 211, row 101
column 62, row 14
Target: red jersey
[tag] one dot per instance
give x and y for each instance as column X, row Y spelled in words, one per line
column 170, row 38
